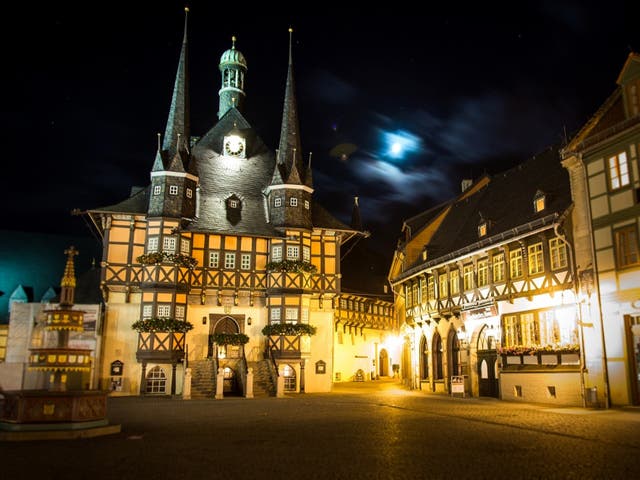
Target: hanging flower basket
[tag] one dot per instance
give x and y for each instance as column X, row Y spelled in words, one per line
column 180, row 259
column 236, row 339
column 293, row 266
column 290, row 329
column 161, row 325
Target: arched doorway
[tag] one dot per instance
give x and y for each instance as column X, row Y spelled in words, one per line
column 487, row 359
column 156, row 381
column 424, row 358
column 229, row 384
column 384, row 363
column 289, row 378
column 223, row 325
column 437, row 356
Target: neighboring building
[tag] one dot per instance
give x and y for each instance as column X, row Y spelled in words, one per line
column 602, row 160
column 487, row 288
column 265, row 253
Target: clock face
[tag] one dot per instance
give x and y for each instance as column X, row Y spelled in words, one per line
column 233, row 145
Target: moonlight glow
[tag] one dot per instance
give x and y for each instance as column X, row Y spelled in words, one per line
column 397, row 145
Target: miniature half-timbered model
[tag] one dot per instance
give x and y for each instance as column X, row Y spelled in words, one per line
column 602, row 160
column 487, row 288
column 225, row 262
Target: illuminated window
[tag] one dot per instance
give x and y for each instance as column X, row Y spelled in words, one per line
column 214, row 259
column 416, row 295
column 442, row 285
column 293, row 201
column 291, row 315
column 233, row 203
column 454, row 281
column 305, row 315
column 180, row 312
column 306, row 254
column 245, row 261
column 293, row 252
column 229, row 260
column 185, row 246
column 515, row 263
column 409, row 295
column 536, row 264
column 277, row 202
column 147, row 311
column 169, row 244
column 482, row 229
column 626, row 246
column 467, row 277
column 431, row 288
column 173, row 190
column 164, row 311
column 157, row 189
column 275, row 314
column 276, row 255
column 558, row 254
column 539, row 201
column 189, row 193
column 289, row 378
column 306, row 204
column 422, row 291
column 152, row 244
column 618, row 171
column 156, row 380
column 555, row 328
column 343, row 303
column 483, row 272
column 498, row 267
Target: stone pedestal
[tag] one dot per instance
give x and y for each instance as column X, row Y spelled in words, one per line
column 249, row 392
column 220, row 384
column 280, row 382
column 186, row 387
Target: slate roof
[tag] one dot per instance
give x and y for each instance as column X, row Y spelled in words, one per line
column 138, row 202
column 506, row 202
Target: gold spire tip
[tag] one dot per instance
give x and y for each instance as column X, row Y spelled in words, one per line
column 233, row 40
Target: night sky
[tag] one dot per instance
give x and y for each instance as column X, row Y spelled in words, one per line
column 460, row 92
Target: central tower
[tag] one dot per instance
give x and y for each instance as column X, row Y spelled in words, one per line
column 233, row 67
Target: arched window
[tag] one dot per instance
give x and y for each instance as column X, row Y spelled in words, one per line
column 289, row 379
column 424, row 358
column 437, row 356
column 156, row 381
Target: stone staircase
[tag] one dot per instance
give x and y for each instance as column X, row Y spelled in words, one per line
column 203, row 379
column 262, row 384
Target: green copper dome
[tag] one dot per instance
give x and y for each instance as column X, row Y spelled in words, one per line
column 232, row 56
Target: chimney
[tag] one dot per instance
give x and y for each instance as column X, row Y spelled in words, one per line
column 466, row 183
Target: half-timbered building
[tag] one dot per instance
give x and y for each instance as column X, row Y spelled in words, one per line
column 486, row 285
column 228, row 237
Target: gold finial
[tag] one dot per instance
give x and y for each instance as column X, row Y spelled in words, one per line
column 233, row 41
column 69, row 277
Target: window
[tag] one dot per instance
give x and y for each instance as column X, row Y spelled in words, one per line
column 306, row 204
column 442, row 285
column 147, row 311
column 189, row 193
column 422, row 291
column 245, row 261
column 275, row 314
column 483, row 272
column 467, row 279
column 169, row 244
column 343, row 303
column 157, row 189
column 229, row 260
column 184, row 246
column 214, row 259
column 498, row 267
column 416, row 296
column 454, row 280
column 306, row 254
column 277, row 202
column 553, row 327
column 180, row 312
column 164, row 311
column 305, row 315
column 558, row 254
column 515, row 263
column 431, row 288
column 626, row 246
column 173, row 190
column 276, row 254
column 233, row 203
column 482, row 229
column 152, row 244
column 291, row 315
column 536, row 264
column 618, row 171
column 293, row 252
column 539, row 201
column 293, row 201
column 409, row 295
column 156, row 380
column 289, row 378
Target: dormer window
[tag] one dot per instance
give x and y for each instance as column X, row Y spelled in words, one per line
column 539, row 201
column 424, row 255
column 233, row 204
column 234, row 209
column 482, row 229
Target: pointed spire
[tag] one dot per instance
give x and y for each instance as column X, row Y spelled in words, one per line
column 294, row 175
column 290, row 129
column 68, row 282
column 179, row 121
column 356, row 220
column 276, row 178
column 158, row 163
column 308, row 176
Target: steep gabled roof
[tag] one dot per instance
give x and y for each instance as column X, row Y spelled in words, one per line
column 137, row 203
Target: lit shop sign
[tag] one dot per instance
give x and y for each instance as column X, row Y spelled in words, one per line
column 479, row 309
